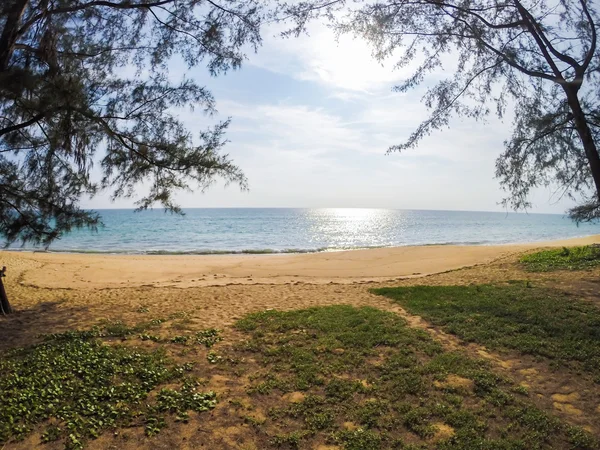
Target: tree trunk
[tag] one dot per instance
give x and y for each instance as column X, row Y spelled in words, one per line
column 10, row 33
column 585, row 134
column 4, row 305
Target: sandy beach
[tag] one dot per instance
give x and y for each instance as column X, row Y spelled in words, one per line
column 58, row 291
column 101, row 271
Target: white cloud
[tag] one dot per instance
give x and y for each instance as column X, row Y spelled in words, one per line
column 292, row 127
column 312, row 156
column 344, row 64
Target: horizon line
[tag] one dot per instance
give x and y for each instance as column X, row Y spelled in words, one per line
column 331, row 207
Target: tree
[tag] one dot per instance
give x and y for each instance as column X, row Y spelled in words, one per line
column 5, row 307
column 539, row 57
column 86, row 82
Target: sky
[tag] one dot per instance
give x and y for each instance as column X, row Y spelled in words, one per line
column 312, row 119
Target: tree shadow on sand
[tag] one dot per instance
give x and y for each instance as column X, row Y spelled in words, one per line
column 25, row 326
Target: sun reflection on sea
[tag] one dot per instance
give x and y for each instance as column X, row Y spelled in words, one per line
column 347, row 225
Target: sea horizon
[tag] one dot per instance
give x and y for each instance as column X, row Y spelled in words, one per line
column 134, row 210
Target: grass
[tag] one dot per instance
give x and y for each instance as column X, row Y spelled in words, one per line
column 360, row 378
column 76, row 385
column 516, row 316
column 574, row 258
column 355, row 378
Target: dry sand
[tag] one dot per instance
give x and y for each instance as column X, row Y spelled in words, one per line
column 56, row 292
column 93, row 271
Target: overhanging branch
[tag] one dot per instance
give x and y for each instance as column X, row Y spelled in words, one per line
column 25, row 124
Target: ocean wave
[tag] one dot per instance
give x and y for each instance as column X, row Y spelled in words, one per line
column 457, row 243
column 251, row 251
column 265, row 251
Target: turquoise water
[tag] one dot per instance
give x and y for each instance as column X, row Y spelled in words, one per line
column 249, row 230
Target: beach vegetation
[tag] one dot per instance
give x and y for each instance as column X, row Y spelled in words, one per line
column 87, row 84
column 537, row 321
column 534, row 60
column 361, row 378
column 566, row 258
column 75, row 386
column 355, row 378
column 208, row 337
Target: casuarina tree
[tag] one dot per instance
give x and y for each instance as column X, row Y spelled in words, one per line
column 538, row 58
column 86, row 83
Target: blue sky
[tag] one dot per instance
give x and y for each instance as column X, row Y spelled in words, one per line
column 311, row 122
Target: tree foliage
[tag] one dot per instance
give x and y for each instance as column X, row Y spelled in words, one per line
column 539, row 58
column 86, row 82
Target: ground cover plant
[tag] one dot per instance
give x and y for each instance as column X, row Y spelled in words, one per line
column 352, row 378
column 566, row 258
column 361, row 378
column 518, row 316
column 77, row 384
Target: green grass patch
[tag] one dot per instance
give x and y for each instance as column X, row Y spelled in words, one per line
column 75, row 385
column 566, row 258
column 361, row 378
column 355, row 378
column 517, row 316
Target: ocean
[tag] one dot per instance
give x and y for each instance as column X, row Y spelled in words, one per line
column 287, row 230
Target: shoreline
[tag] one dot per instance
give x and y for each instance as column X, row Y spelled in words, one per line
column 113, row 271
column 294, row 251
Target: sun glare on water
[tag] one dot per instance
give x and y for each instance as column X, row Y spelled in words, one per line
column 347, row 225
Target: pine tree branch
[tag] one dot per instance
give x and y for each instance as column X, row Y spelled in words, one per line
column 92, row 4
column 540, row 43
column 471, row 12
column 438, row 113
column 593, row 43
column 504, row 57
column 564, row 58
column 25, row 124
